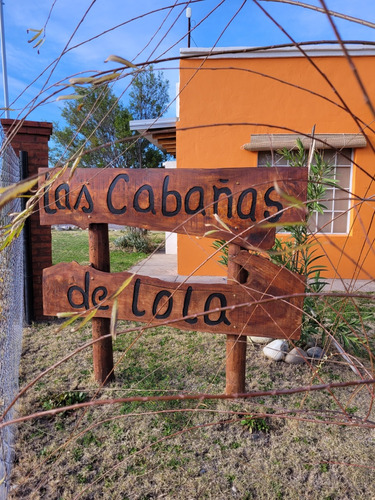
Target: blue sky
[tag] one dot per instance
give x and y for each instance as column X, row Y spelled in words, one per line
column 152, row 36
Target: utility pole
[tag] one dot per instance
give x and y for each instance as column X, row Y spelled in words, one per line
column 188, row 15
column 4, row 62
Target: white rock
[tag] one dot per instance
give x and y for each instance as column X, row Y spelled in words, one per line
column 260, row 340
column 276, row 350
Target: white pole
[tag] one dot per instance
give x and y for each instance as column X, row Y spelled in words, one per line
column 4, row 62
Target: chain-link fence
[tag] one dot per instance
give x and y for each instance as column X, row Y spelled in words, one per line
column 11, row 314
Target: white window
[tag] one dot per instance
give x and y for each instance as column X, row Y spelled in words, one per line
column 335, row 216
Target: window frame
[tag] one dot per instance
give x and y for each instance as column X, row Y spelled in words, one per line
column 335, row 198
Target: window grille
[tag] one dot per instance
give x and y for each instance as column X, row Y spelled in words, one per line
column 335, row 216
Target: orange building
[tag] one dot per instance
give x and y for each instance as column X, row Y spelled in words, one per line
column 237, row 108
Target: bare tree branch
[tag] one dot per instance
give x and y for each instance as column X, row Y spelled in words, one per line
column 331, row 12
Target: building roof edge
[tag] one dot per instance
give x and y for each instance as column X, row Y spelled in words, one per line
column 152, row 123
column 314, row 49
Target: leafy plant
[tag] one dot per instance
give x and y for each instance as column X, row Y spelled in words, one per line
column 351, row 410
column 345, row 320
column 223, row 247
column 313, row 311
column 298, row 252
column 324, row 467
column 89, row 438
column 64, row 399
column 255, row 424
column 135, row 241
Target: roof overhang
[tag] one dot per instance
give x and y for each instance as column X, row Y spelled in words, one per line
column 313, row 49
column 159, row 131
column 272, row 142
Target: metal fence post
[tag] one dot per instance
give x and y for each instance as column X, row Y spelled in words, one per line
column 27, row 264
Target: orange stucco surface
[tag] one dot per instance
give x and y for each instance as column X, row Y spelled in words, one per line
column 224, row 101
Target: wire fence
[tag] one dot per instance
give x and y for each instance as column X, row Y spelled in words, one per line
column 11, row 314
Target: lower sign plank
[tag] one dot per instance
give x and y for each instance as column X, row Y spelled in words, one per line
column 253, row 308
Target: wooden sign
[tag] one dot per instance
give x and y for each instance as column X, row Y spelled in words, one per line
column 179, row 200
column 75, row 288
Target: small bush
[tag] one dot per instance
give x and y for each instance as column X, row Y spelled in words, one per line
column 223, row 247
column 64, row 399
column 135, row 241
column 255, row 424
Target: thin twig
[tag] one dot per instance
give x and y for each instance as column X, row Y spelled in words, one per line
column 331, row 12
column 190, row 397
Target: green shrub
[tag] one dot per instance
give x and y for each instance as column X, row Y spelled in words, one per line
column 299, row 253
column 255, row 424
column 135, row 241
column 64, row 399
column 222, row 246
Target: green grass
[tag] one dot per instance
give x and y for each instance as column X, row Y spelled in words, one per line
column 74, row 245
column 186, row 448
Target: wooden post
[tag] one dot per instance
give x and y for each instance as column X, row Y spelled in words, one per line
column 99, row 259
column 236, row 344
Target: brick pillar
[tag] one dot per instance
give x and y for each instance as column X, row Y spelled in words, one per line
column 33, row 137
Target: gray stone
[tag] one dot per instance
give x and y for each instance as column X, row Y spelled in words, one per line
column 296, row 356
column 276, row 350
column 315, row 352
column 258, row 436
column 260, row 340
column 310, row 343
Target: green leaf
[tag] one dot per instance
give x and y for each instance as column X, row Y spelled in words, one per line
column 75, row 165
column 66, row 314
column 9, row 193
column 37, row 35
column 293, row 202
column 69, row 97
column 86, row 320
column 123, row 286
column 286, row 225
column 69, row 321
column 39, row 43
column 81, row 80
column 207, row 233
column 105, row 78
column 114, row 319
column 221, row 222
column 121, row 60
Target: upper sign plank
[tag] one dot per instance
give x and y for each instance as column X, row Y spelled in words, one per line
column 187, row 201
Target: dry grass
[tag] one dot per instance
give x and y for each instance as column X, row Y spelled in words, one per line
column 133, row 451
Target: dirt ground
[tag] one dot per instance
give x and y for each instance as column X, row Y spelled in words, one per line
column 188, row 449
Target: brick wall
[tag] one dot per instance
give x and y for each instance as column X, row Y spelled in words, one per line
column 33, row 137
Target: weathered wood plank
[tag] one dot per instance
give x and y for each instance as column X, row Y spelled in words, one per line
column 75, row 288
column 179, row 200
